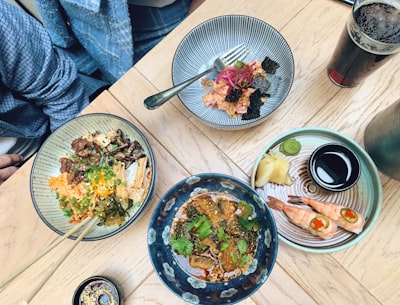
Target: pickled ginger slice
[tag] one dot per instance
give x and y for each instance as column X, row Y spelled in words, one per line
column 273, row 168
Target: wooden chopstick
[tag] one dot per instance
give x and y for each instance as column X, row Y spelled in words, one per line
column 25, row 266
column 57, row 264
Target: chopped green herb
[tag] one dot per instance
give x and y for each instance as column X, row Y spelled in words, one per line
column 239, row 64
column 68, row 212
column 182, row 245
column 224, row 246
column 242, row 246
column 201, row 226
column 245, row 209
column 221, row 235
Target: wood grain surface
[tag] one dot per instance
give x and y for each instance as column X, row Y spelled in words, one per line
column 366, row 273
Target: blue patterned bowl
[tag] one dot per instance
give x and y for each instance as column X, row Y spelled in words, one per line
column 47, row 164
column 183, row 284
column 210, row 39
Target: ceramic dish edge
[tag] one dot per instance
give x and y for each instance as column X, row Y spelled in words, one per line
column 362, row 154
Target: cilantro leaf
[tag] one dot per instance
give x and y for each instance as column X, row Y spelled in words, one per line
column 221, row 235
column 242, row 246
column 249, row 224
column 182, row 246
column 201, row 226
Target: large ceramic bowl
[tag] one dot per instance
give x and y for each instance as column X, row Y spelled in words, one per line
column 47, row 164
column 191, row 288
column 212, row 38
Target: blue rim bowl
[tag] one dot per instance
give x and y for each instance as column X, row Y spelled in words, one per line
column 184, row 285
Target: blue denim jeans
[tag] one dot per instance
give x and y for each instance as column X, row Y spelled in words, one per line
column 108, row 35
column 151, row 24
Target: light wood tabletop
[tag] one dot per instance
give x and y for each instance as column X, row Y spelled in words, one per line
column 366, row 273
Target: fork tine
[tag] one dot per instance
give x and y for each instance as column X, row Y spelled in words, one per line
column 234, row 49
column 238, row 53
column 242, row 55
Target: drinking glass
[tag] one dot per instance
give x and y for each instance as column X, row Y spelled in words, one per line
column 370, row 38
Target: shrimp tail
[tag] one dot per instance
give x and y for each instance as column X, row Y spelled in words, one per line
column 296, row 199
column 326, row 208
column 275, row 203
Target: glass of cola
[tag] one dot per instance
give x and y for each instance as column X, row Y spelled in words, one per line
column 370, row 38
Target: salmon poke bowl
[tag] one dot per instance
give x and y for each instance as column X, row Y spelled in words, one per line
column 245, row 93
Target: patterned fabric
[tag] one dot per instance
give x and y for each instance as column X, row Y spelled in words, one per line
column 39, row 85
column 155, row 3
column 108, row 35
column 151, row 24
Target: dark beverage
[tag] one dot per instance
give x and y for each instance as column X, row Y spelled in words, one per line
column 371, row 37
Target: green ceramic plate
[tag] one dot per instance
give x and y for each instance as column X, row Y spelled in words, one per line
column 365, row 196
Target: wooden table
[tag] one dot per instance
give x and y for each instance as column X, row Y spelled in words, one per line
column 367, row 273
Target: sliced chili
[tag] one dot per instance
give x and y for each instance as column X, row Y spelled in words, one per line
column 349, row 215
column 319, row 223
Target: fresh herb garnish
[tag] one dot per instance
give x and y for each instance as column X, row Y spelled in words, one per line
column 243, row 258
column 201, row 226
column 181, row 245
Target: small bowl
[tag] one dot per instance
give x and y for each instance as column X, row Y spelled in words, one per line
column 98, row 288
column 189, row 287
column 334, row 167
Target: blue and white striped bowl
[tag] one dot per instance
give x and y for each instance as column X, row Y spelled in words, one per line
column 203, row 44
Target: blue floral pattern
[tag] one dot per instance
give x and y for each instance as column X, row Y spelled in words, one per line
column 192, row 289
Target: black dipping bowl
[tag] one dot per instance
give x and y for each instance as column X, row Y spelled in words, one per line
column 95, row 284
column 334, row 167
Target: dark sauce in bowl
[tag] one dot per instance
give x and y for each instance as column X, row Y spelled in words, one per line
column 334, row 167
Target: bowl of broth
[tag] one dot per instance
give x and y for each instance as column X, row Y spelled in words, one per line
column 212, row 239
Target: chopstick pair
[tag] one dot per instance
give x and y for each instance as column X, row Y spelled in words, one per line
column 55, row 265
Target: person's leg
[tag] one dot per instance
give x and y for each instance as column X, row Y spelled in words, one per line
column 151, row 24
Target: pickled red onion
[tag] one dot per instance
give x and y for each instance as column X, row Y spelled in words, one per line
column 237, row 78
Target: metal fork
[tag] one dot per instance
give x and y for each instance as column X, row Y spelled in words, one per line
column 227, row 59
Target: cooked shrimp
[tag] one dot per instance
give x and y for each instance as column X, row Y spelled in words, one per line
column 319, row 225
column 344, row 217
